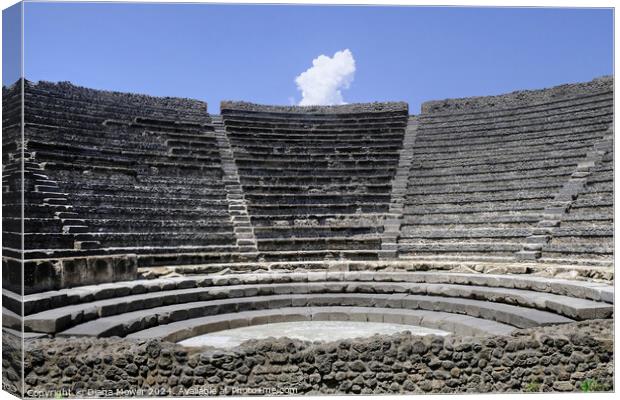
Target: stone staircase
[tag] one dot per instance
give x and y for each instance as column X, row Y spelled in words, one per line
column 561, row 204
column 237, row 207
column 44, row 192
column 389, row 240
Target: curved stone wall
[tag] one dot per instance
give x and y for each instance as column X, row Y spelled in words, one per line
column 521, row 98
column 534, row 360
column 12, row 361
column 154, row 106
column 355, row 108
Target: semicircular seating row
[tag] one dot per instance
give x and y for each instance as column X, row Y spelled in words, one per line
column 182, row 307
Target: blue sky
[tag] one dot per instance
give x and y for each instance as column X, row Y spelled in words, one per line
column 254, row 53
column 11, row 44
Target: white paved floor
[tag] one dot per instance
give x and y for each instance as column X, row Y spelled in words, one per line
column 324, row 331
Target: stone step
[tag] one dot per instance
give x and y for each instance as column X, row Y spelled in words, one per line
column 487, row 170
column 318, row 243
column 129, row 322
column 458, row 246
column 57, row 201
column 11, row 320
column 87, row 245
column 412, row 231
column 243, row 229
column 593, row 232
column 49, row 189
column 492, row 133
column 454, row 210
column 479, row 188
column 537, row 239
column 528, row 247
column 34, row 303
column 485, row 219
column 148, row 238
column 504, row 179
column 248, row 248
column 325, row 255
column 65, row 214
column 389, row 244
column 551, row 258
column 277, row 158
column 536, row 195
column 463, row 257
column 458, row 324
column 148, row 256
column 75, row 228
column 342, row 132
column 527, row 254
column 604, row 249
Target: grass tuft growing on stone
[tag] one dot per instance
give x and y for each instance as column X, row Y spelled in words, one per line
column 592, row 385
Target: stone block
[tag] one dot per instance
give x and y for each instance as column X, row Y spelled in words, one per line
column 70, row 272
column 527, row 255
column 393, row 318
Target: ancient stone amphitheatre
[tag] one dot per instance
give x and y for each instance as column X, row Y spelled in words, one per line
column 148, row 221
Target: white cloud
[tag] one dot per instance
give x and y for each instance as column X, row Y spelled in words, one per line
column 322, row 83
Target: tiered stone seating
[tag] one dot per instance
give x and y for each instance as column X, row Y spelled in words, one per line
column 490, row 174
column 178, row 308
column 118, row 181
column 116, row 174
column 316, row 180
column 277, row 214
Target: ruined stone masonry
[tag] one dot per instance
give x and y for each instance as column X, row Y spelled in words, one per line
column 132, row 222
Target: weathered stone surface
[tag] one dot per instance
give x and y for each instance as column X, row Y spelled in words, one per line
column 170, row 294
column 299, row 213
column 360, row 108
column 470, row 196
column 399, row 363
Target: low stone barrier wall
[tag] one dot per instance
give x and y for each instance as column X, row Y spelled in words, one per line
column 388, row 106
column 166, row 106
column 518, row 98
column 12, row 362
column 53, row 274
column 560, row 358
